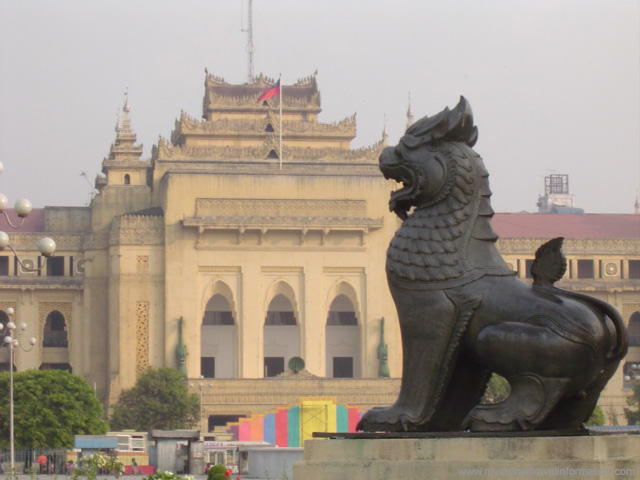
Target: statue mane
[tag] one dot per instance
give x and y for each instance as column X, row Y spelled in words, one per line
column 447, row 126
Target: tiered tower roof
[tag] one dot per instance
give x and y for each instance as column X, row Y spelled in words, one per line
column 239, row 128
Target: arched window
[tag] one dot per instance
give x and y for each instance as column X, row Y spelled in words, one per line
column 281, row 333
column 55, row 331
column 269, row 128
column 342, row 338
column 218, row 338
column 273, row 154
column 127, row 179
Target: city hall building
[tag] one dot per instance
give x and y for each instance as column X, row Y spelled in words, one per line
column 253, row 236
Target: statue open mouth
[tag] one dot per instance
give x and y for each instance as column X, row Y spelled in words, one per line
column 402, row 199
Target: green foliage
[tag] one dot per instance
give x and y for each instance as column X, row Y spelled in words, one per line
column 497, row 389
column 159, row 400
column 89, row 467
column 167, row 476
column 50, row 408
column 217, row 472
column 633, row 413
column 596, row 418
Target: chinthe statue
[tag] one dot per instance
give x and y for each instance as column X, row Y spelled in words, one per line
column 463, row 314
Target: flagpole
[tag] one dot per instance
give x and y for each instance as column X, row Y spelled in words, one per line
column 280, row 95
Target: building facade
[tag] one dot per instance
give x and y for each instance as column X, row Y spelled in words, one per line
column 253, row 238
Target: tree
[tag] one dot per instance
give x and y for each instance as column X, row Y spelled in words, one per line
column 50, row 408
column 596, row 418
column 497, row 389
column 159, row 400
column 633, row 413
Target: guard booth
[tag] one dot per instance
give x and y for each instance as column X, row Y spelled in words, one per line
column 92, row 444
column 177, row 451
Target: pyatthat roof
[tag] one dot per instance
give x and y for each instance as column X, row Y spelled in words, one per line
column 551, row 225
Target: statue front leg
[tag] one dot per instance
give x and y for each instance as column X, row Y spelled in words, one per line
column 427, row 320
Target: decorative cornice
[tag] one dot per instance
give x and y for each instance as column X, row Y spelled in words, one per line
column 27, row 242
column 572, row 246
column 343, row 270
column 288, row 223
column 282, row 270
column 166, row 151
column 277, row 208
column 211, row 269
column 187, row 125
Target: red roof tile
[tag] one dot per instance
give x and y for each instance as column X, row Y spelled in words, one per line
column 34, row 222
column 550, row 225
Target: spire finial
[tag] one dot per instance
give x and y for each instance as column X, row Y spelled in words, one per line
column 385, row 130
column 409, row 113
column 637, row 205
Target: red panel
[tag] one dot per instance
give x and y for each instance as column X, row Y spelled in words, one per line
column 282, row 428
column 354, row 418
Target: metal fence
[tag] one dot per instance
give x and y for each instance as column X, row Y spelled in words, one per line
column 26, row 460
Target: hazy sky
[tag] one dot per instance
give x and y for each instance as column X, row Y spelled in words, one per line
column 554, row 85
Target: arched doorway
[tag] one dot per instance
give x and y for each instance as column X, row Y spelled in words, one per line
column 218, row 338
column 55, row 343
column 342, row 339
column 281, row 332
column 55, row 331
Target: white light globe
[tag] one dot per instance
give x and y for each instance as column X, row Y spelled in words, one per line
column 32, row 341
column 10, row 311
column 4, row 240
column 46, row 246
column 11, row 325
column 16, row 342
column 4, row 201
column 22, row 207
column 22, row 326
column 1, row 167
column 1, row 326
column 8, row 339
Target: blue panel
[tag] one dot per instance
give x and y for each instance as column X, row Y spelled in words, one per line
column 269, row 426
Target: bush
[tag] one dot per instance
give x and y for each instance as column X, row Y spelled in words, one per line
column 218, row 472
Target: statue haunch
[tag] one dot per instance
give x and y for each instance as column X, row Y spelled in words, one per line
column 463, row 314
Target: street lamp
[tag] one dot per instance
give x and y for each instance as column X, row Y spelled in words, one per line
column 200, row 387
column 11, row 332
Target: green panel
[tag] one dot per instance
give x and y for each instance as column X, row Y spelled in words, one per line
column 294, row 426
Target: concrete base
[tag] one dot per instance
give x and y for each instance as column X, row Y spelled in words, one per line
column 567, row 457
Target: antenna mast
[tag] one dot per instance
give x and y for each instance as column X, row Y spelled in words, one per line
column 249, row 31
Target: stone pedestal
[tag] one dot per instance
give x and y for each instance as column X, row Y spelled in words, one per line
column 521, row 457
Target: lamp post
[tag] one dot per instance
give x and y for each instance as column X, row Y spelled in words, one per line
column 10, row 333
column 200, row 387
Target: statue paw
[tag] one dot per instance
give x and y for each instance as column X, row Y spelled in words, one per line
column 388, row 419
column 496, row 418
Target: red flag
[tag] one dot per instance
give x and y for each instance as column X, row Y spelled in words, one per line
column 271, row 92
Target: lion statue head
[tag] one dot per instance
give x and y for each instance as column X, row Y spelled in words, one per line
column 417, row 161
